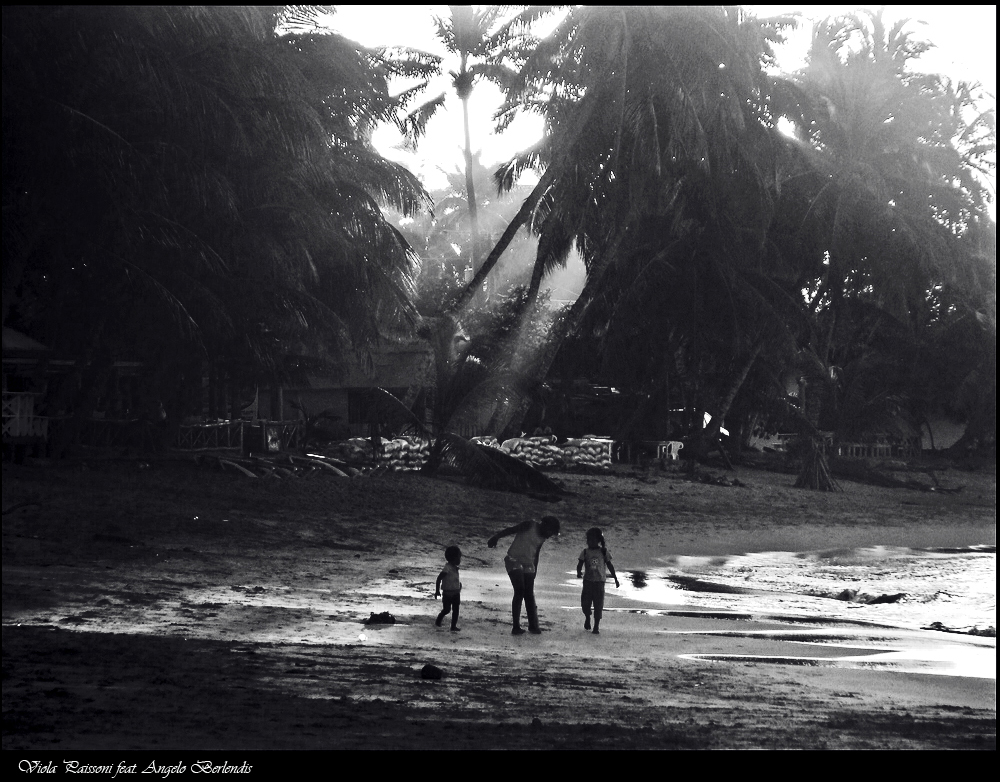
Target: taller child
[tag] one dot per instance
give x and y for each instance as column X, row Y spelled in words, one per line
column 522, row 566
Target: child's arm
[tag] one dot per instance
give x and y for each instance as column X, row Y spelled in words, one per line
column 492, row 542
column 437, row 586
column 579, row 568
column 611, row 569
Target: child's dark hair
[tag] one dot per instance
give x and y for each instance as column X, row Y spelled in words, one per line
column 551, row 523
column 594, row 533
column 452, row 553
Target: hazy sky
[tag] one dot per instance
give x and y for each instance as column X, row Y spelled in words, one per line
column 964, row 38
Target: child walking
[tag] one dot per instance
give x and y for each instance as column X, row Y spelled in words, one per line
column 593, row 567
column 448, row 578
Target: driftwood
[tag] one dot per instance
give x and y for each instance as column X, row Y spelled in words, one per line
column 312, row 462
column 228, row 464
column 279, row 467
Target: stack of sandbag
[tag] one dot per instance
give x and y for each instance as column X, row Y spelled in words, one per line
column 405, row 454
column 539, row 452
column 587, row 452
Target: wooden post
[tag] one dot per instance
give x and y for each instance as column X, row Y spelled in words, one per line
column 277, row 402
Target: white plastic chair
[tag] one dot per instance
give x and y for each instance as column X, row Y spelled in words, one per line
column 669, row 450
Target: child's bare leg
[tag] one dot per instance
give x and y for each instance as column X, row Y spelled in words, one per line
column 598, row 606
column 444, row 611
column 529, row 603
column 456, row 604
column 517, row 581
column 585, row 601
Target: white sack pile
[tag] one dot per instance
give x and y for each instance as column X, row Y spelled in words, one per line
column 587, row 452
column 543, row 453
column 410, row 453
column 539, row 452
column 405, row 454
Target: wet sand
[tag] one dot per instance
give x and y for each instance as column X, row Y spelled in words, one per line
column 177, row 609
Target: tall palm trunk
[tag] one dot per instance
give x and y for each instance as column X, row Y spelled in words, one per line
column 470, row 186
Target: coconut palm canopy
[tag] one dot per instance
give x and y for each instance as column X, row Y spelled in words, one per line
column 183, row 184
column 701, row 225
column 188, row 181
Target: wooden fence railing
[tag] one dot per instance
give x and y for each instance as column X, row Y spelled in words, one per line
column 878, row 450
column 208, row 436
column 283, row 435
column 263, row 436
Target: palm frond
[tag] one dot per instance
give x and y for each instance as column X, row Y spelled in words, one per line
column 414, row 124
column 493, row 469
column 391, row 413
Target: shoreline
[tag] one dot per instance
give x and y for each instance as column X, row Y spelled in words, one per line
column 178, row 610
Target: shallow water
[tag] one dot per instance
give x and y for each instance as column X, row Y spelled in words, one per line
column 953, row 589
column 908, row 610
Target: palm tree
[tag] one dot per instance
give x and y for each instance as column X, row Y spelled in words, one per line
column 653, row 115
column 213, row 183
column 891, row 186
column 468, row 33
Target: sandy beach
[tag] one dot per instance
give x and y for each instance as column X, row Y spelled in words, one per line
column 159, row 605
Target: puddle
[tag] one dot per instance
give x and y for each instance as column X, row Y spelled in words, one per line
column 967, row 663
column 850, row 639
column 638, row 579
column 646, row 587
column 852, row 635
column 950, row 588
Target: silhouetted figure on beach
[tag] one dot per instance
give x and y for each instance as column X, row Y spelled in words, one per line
column 522, row 566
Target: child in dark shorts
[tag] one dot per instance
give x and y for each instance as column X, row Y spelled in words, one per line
column 521, row 563
column 448, row 578
column 597, row 560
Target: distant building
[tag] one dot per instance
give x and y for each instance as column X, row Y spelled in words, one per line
column 406, row 370
column 24, row 383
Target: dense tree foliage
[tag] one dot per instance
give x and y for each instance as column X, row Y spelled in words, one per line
column 882, row 221
column 721, row 251
column 188, row 183
column 659, row 166
column 443, row 239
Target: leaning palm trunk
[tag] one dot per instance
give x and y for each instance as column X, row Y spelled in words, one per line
column 524, row 214
column 521, row 218
column 708, row 438
column 508, row 418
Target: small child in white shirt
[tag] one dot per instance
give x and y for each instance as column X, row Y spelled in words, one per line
column 448, row 578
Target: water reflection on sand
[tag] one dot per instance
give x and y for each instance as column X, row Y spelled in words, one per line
column 865, row 608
